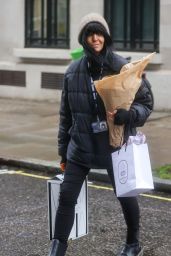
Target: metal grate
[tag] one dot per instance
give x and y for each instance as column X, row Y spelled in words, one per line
column 13, row 78
column 52, row 80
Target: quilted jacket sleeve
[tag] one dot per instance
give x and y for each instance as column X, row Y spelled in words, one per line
column 142, row 106
column 65, row 121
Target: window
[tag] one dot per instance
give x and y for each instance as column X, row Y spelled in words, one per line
column 47, row 23
column 134, row 24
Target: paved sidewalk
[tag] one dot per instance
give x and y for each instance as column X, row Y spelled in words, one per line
column 28, row 134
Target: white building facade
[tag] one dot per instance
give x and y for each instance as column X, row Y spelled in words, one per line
column 37, row 37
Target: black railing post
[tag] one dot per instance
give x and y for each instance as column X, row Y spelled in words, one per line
column 133, row 24
column 156, row 25
column 42, row 22
column 125, row 22
column 49, row 22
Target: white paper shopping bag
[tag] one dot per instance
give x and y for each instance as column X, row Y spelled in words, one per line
column 132, row 170
column 80, row 226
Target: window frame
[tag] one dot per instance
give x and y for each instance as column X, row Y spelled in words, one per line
column 108, row 7
column 46, row 41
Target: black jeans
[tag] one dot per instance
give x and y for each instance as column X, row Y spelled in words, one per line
column 70, row 189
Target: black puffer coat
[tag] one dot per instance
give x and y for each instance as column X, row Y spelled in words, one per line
column 76, row 140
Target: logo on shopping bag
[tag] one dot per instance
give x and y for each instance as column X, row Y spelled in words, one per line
column 122, row 171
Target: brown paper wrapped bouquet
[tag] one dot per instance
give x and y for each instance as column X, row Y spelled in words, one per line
column 118, row 91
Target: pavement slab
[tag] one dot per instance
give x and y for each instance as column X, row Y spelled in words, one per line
column 28, row 129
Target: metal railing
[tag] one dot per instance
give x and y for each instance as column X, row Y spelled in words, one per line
column 134, row 24
column 43, row 30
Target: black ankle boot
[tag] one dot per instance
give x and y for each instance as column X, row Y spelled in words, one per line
column 57, row 248
column 131, row 250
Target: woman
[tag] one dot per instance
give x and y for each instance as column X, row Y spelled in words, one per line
column 83, row 138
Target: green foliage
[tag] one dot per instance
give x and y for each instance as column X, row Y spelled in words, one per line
column 163, row 172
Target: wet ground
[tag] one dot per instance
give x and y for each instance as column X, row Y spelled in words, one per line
column 24, row 219
column 28, row 130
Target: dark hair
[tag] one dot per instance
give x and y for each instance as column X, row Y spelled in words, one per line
column 98, row 28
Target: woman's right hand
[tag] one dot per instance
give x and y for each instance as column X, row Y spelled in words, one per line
column 63, row 163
